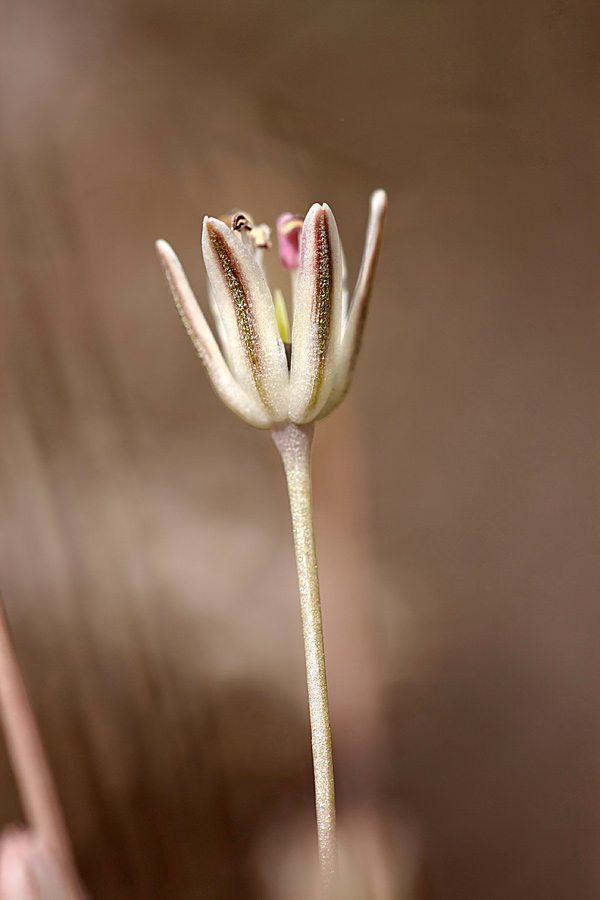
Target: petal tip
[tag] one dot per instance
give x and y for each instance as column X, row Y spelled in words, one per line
column 315, row 209
column 212, row 224
column 166, row 255
column 163, row 248
column 328, row 214
column 210, row 227
column 379, row 200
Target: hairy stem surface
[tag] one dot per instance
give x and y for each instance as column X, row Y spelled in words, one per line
column 294, row 443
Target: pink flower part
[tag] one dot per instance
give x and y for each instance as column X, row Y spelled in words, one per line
column 289, row 229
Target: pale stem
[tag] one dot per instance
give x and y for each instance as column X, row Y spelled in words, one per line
column 31, row 769
column 294, row 443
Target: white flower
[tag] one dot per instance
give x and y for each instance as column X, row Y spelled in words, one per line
column 250, row 370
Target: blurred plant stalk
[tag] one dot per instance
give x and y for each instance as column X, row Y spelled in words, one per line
column 36, row 863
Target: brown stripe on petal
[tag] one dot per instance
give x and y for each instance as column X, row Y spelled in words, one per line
column 244, row 311
column 320, row 318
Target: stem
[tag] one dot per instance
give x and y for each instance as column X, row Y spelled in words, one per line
column 33, row 776
column 294, row 443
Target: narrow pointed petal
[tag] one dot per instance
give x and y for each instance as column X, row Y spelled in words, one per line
column 231, row 393
column 359, row 306
column 248, row 314
column 317, row 326
column 345, row 291
column 221, row 333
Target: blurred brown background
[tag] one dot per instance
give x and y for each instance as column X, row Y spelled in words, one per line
column 145, row 549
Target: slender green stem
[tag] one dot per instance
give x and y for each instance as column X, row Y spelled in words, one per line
column 33, row 776
column 294, row 443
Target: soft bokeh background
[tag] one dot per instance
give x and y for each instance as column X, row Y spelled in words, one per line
column 145, row 548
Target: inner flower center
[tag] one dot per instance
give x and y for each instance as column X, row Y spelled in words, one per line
column 258, row 239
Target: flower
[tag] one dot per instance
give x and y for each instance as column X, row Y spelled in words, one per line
column 265, row 377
